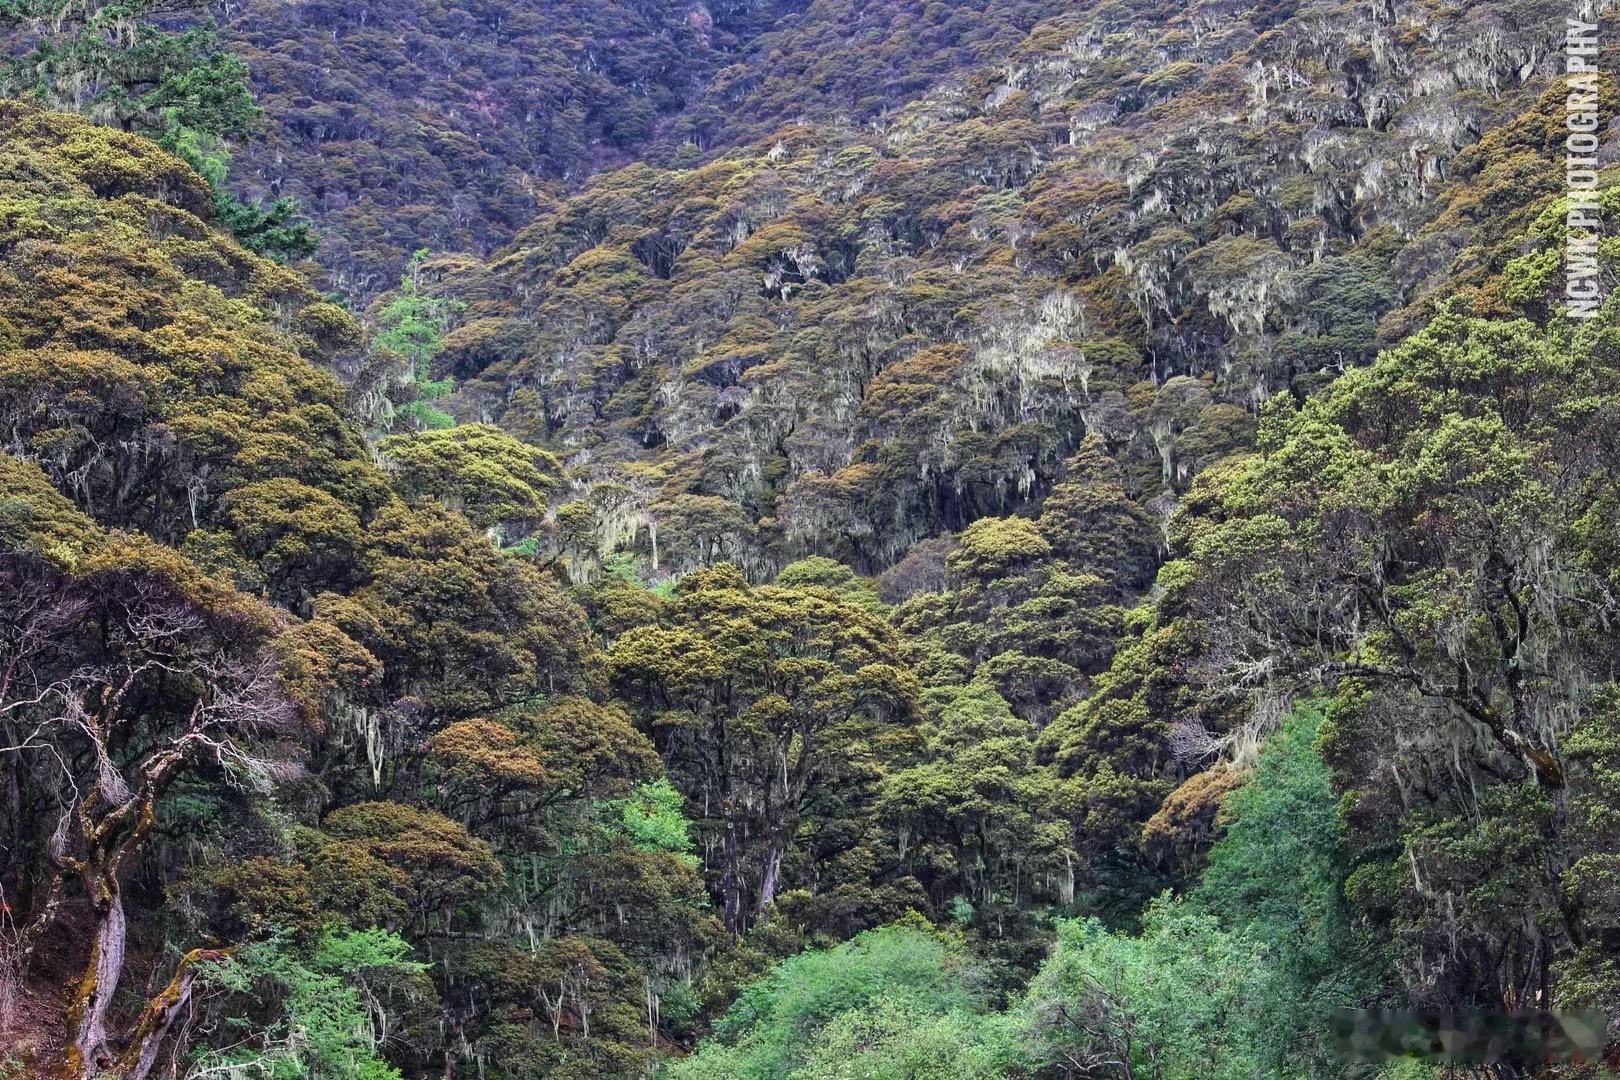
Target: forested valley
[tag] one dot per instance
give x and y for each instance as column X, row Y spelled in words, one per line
column 804, row 539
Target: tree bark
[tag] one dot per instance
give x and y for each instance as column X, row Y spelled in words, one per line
column 110, row 842
column 773, row 864
column 730, row 878
column 138, row 1058
column 89, row 1054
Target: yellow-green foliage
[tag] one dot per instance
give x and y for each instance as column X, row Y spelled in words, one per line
column 858, row 447
column 154, row 365
column 1133, row 229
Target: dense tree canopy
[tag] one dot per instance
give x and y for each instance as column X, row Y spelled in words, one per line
column 860, row 338
column 247, row 666
column 809, row 539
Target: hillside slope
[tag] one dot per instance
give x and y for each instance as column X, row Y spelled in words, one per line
column 991, row 541
column 413, row 124
column 1140, row 223
column 417, row 124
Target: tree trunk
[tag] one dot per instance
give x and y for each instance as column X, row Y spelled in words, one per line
column 730, row 879
column 89, row 1054
column 137, row 1060
column 773, row 864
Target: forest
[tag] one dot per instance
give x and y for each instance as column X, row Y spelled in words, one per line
column 806, row 540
